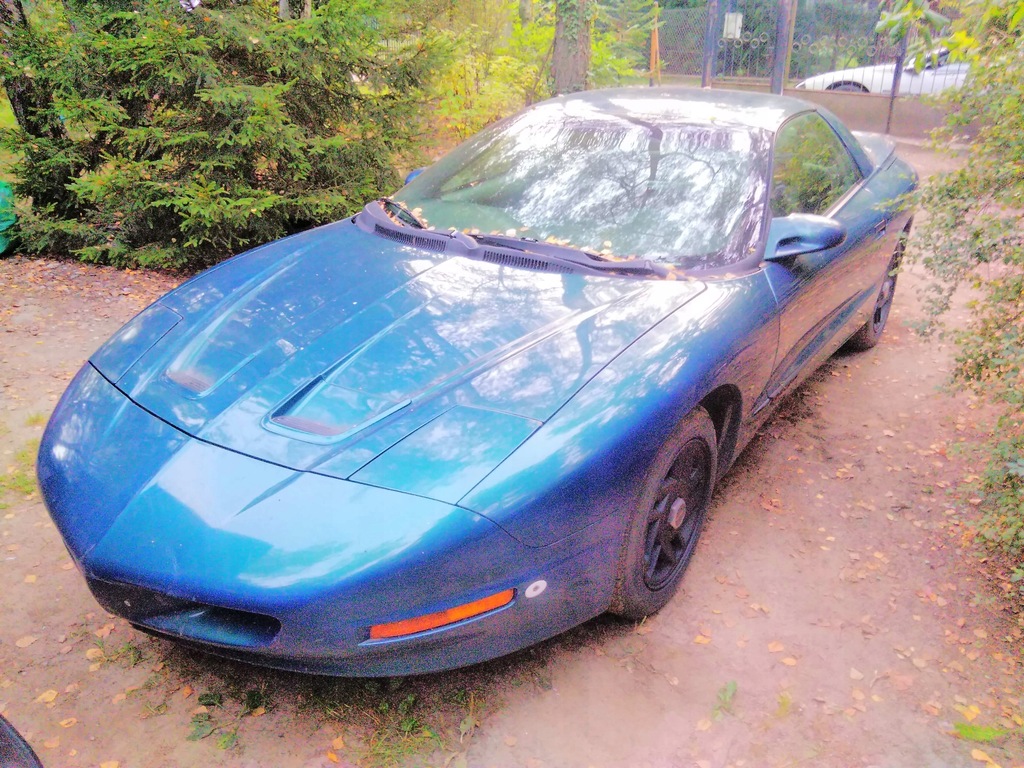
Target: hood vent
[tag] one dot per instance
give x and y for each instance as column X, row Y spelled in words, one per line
column 190, row 380
column 523, row 262
column 434, row 244
column 307, row 425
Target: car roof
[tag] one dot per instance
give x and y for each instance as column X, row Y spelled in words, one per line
column 688, row 106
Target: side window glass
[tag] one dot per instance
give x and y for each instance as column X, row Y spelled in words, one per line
column 812, row 169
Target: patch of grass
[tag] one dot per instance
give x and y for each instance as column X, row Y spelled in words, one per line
column 979, row 733
column 215, row 719
column 726, row 696
column 35, row 420
column 399, row 722
column 785, row 705
column 20, row 477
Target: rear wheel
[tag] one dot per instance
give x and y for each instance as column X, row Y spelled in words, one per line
column 668, row 519
column 849, row 87
column 870, row 333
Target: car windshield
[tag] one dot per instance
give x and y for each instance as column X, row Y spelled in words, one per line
column 689, row 195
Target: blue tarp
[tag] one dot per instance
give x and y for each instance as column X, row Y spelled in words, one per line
column 7, row 217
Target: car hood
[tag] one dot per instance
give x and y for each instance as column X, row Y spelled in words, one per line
column 332, row 348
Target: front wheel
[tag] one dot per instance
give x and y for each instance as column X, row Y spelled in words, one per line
column 668, row 519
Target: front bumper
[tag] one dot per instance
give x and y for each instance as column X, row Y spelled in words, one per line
column 290, row 569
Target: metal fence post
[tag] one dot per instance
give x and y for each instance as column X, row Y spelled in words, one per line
column 710, row 45
column 783, row 29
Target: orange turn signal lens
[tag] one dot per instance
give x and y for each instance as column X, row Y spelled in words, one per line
column 439, row 619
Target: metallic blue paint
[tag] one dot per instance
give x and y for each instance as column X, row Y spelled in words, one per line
column 335, row 430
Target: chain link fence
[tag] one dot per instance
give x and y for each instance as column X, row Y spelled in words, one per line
column 834, row 47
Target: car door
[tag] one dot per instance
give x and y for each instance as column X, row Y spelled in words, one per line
column 820, row 295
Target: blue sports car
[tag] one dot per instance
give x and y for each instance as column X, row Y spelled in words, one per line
column 488, row 408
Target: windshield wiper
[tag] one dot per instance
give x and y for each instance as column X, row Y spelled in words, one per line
column 401, row 212
column 392, row 220
column 579, row 256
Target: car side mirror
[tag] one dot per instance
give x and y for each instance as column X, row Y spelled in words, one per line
column 413, row 174
column 800, row 233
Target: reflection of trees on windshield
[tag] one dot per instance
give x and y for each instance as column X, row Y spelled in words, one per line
column 686, row 194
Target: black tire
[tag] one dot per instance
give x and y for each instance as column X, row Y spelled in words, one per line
column 14, row 750
column 662, row 535
column 869, row 334
column 848, row 87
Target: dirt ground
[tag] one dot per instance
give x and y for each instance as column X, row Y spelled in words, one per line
column 835, row 613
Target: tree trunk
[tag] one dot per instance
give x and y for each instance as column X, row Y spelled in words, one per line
column 30, row 101
column 283, row 11
column 525, row 12
column 571, row 58
column 307, row 9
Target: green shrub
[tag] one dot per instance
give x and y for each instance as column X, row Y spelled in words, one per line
column 972, row 236
column 158, row 137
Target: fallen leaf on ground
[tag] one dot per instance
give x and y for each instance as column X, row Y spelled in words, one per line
column 26, row 641
column 702, row 639
column 789, row 661
column 94, row 654
column 510, row 741
column 775, row 647
column 969, row 713
column 47, row 696
column 856, row 674
column 260, row 711
column 332, row 757
column 68, row 722
column 703, row 724
column 110, row 764
column 338, row 743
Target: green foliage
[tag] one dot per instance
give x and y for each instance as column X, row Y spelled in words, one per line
column 175, row 138
column 499, row 63
column 490, row 76
column 6, row 115
column 972, row 236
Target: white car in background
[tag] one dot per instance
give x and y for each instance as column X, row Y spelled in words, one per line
column 938, row 74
